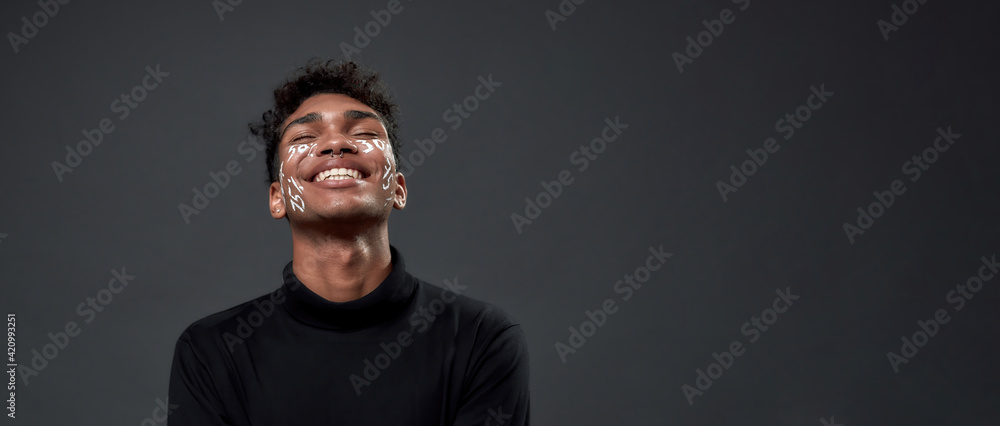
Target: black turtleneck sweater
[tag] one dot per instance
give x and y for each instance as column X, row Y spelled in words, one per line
column 408, row 353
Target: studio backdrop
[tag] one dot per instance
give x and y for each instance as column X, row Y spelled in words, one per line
column 701, row 212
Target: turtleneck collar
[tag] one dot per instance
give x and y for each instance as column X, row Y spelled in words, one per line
column 386, row 301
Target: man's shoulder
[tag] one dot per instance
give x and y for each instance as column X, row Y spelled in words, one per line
column 450, row 296
column 215, row 326
column 490, row 335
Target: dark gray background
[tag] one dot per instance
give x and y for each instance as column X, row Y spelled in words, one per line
column 826, row 356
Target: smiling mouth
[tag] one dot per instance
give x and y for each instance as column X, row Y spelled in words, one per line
column 338, row 174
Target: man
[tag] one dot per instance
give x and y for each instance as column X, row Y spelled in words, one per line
column 349, row 338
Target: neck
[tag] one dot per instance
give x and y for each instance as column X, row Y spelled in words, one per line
column 341, row 266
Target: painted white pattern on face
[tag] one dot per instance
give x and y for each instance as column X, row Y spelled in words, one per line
column 294, row 197
column 388, row 177
column 390, row 161
column 295, row 200
column 281, row 178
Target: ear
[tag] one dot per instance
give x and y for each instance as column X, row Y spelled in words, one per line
column 399, row 197
column 276, row 201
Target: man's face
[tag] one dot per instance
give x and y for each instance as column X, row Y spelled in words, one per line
column 317, row 184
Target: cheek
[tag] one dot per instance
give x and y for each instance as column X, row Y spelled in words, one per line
column 386, row 149
column 388, row 173
column 290, row 185
column 294, row 155
column 302, row 150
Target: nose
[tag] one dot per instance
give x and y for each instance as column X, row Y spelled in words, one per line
column 340, row 145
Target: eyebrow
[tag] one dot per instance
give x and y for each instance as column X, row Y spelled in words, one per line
column 358, row 115
column 314, row 117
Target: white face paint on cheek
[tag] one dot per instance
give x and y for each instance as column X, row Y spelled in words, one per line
column 388, row 177
column 295, row 199
column 281, row 179
column 388, row 174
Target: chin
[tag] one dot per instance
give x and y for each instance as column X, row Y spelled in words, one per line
column 353, row 215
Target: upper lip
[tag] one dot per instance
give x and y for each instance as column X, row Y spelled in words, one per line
column 338, row 163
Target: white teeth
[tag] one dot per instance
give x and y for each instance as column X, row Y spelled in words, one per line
column 338, row 174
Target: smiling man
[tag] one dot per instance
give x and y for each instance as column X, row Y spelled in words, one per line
column 349, row 337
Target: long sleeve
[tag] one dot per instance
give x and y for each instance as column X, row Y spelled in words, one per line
column 192, row 390
column 291, row 357
column 498, row 391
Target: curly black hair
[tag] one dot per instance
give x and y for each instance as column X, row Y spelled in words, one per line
column 319, row 76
